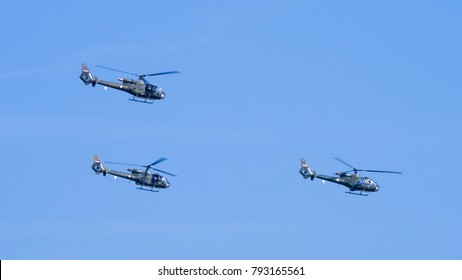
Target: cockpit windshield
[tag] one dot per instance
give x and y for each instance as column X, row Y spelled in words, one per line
column 155, row 178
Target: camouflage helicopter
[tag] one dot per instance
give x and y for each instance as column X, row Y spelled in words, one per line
column 354, row 182
column 139, row 89
column 143, row 178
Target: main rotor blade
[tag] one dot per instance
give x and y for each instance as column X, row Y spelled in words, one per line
column 139, row 75
column 157, row 161
column 139, row 165
column 165, row 172
column 344, row 162
column 121, row 163
column 117, row 70
column 161, row 73
column 367, row 170
column 381, row 171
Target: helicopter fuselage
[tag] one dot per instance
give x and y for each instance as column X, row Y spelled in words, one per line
column 143, row 178
column 352, row 181
column 147, row 178
column 137, row 88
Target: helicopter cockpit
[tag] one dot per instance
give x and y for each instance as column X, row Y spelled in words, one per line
column 157, row 91
column 369, row 184
column 160, row 92
column 159, row 180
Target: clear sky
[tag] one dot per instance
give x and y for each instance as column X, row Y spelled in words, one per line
column 262, row 84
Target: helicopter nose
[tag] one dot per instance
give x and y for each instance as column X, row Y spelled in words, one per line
column 377, row 188
column 162, row 93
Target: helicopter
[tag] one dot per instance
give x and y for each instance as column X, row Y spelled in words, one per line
column 354, row 182
column 141, row 88
column 145, row 179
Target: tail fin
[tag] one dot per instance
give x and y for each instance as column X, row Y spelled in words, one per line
column 98, row 166
column 306, row 171
column 87, row 77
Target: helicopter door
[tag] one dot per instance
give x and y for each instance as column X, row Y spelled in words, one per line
column 149, row 88
column 155, row 178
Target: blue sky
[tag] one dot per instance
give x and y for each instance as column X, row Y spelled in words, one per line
column 262, row 84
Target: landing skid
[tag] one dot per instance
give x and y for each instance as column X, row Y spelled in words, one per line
column 148, row 190
column 141, row 101
column 361, row 194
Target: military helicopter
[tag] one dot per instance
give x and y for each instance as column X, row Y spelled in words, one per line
column 354, row 182
column 143, row 178
column 139, row 89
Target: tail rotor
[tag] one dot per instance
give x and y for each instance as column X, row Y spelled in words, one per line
column 306, row 171
column 98, row 166
column 87, row 77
